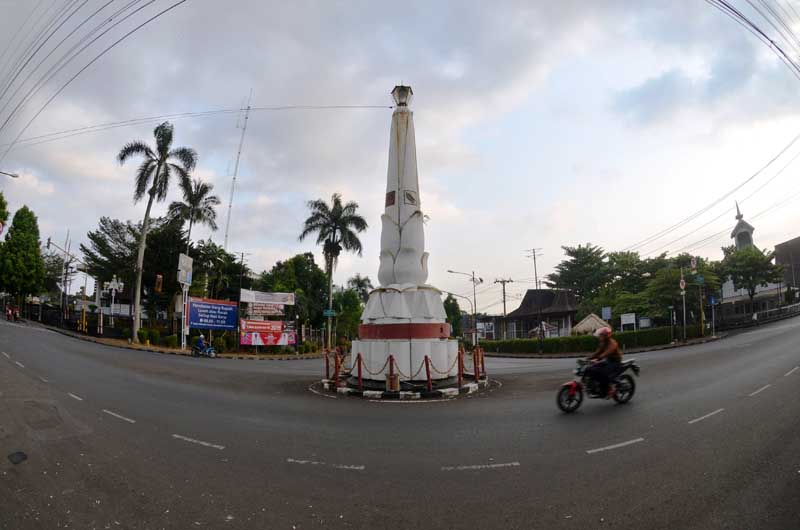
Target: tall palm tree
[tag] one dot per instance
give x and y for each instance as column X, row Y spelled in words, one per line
column 362, row 285
column 336, row 227
column 152, row 179
column 197, row 206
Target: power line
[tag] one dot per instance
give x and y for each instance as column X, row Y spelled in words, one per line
column 97, row 57
column 703, row 210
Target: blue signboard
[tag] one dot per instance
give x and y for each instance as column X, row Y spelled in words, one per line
column 212, row 314
column 712, row 300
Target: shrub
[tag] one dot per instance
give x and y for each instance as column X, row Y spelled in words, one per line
column 585, row 343
column 142, row 334
column 126, row 333
column 155, row 336
column 219, row 345
column 171, row 341
column 230, row 341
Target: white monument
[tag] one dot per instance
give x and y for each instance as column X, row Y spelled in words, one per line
column 404, row 317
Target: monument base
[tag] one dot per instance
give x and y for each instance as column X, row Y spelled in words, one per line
column 409, row 358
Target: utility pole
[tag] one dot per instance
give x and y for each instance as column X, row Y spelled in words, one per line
column 236, row 169
column 503, row 283
column 534, row 252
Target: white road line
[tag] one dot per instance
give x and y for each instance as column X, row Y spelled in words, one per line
column 7, row 355
column 19, row 364
column 120, row 416
column 73, row 396
column 348, row 467
column 320, row 393
column 199, row 442
column 480, row 467
column 759, row 390
column 43, row 379
column 790, row 372
column 701, row 418
column 615, row 446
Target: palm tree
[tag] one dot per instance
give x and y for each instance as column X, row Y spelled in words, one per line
column 197, row 206
column 152, row 179
column 362, row 285
column 336, row 227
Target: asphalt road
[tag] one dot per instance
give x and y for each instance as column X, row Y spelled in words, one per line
column 125, row 439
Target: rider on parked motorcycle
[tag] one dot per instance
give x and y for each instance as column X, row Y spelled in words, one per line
column 606, row 360
column 201, row 343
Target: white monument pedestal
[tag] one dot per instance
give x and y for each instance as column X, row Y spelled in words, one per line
column 406, row 322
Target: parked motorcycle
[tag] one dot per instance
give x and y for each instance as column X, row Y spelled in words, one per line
column 570, row 395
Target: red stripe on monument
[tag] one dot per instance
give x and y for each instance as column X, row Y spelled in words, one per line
column 403, row 331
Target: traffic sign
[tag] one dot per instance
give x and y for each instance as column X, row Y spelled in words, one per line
column 682, row 284
column 712, row 300
column 329, row 313
column 700, row 279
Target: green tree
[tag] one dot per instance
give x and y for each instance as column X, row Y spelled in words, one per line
column 453, row 312
column 362, row 285
column 152, row 179
column 347, row 304
column 336, row 226
column 585, row 272
column 750, row 268
column 3, row 210
column 302, row 276
column 54, row 269
column 112, row 250
column 628, row 272
column 21, row 263
column 198, row 206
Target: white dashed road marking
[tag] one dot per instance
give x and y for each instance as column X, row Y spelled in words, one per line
column 7, row 355
column 19, row 364
column 199, row 442
column 790, row 372
column 759, row 390
column 318, row 463
column 73, row 396
column 615, row 446
column 119, row 416
column 480, row 467
column 43, row 379
column 701, row 418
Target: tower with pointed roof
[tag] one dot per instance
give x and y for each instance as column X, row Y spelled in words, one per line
column 742, row 234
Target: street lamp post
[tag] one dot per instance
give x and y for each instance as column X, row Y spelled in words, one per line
column 475, row 281
column 113, row 286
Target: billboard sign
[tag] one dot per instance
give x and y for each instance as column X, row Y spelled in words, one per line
column 252, row 297
column 628, row 318
column 258, row 309
column 265, row 333
column 205, row 313
column 606, row 313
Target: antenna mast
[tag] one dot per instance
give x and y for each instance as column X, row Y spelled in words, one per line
column 236, row 170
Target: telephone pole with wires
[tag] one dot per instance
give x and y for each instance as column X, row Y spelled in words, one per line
column 236, row 169
column 503, row 283
column 534, row 253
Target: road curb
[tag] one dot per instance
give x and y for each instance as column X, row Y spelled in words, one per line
column 447, row 393
column 185, row 354
column 581, row 355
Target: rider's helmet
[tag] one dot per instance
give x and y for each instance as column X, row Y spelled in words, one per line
column 603, row 332
column 201, row 336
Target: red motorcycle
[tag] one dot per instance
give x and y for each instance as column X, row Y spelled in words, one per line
column 570, row 395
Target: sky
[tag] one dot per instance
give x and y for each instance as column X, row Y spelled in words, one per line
column 539, row 124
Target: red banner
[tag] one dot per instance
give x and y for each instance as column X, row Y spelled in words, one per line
column 265, row 333
column 261, row 326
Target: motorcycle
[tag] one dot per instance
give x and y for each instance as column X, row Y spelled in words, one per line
column 208, row 351
column 570, row 395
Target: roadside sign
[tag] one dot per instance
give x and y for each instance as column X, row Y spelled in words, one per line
column 682, row 284
column 700, row 279
column 628, row 318
column 329, row 313
column 185, row 269
column 712, row 300
column 606, row 313
column 683, row 292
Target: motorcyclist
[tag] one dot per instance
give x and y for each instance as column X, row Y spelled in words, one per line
column 606, row 361
column 200, row 345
